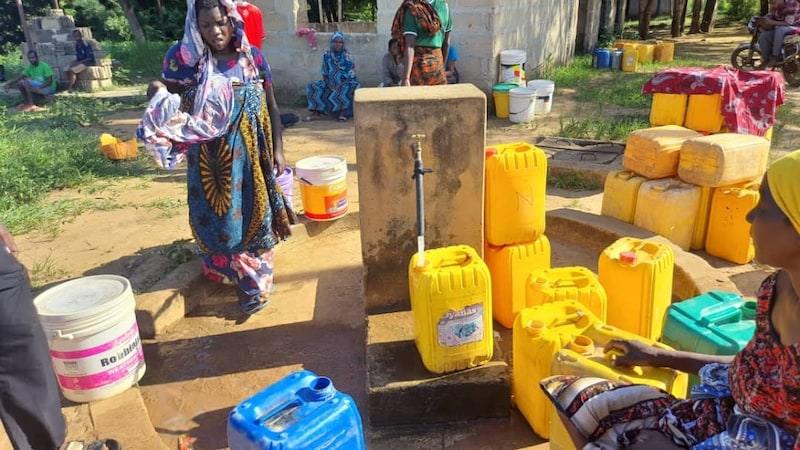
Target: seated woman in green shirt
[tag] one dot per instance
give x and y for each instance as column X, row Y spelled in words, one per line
column 37, row 78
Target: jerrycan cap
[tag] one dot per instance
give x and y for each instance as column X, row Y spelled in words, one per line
column 535, row 328
column 583, row 345
column 491, row 151
column 627, row 257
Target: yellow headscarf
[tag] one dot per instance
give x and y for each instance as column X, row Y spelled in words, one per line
column 783, row 177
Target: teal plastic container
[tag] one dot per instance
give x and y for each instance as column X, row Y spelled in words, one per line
column 716, row 323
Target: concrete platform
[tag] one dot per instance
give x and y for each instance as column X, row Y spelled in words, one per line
column 402, row 392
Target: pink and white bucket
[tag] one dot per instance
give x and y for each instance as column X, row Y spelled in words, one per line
column 94, row 338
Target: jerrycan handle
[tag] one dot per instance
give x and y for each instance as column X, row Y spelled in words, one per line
column 611, row 357
column 720, row 314
column 749, row 309
column 462, row 259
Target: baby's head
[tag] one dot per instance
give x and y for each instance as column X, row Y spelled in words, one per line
column 154, row 87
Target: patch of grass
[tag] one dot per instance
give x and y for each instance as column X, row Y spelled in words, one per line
column 170, row 207
column 45, row 271
column 601, row 127
column 46, row 218
column 52, row 150
column 572, row 181
column 136, row 63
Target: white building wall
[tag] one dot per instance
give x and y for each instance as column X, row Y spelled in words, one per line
column 481, row 30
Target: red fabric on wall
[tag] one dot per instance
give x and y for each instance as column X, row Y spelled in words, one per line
column 749, row 99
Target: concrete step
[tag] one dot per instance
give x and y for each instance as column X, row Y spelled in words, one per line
column 402, row 392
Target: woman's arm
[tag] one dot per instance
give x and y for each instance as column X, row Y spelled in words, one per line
column 277, row 128
column 636, row 353
column 408, row 59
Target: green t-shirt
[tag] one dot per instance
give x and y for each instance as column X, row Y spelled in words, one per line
column 411, row 26
column 40, row 72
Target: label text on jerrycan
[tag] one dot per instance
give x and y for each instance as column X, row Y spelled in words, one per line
column 461, row 327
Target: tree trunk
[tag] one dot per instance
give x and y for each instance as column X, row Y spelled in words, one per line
column 683, row 17
column 709, row 16
column 133, row 21
column 697, row 8
column 646, row 8
column 24, row 23
column 678, row 6
column 619, row 20
column 764, row 7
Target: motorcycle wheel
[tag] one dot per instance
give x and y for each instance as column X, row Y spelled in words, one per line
column 791, row 72
column 741, row 59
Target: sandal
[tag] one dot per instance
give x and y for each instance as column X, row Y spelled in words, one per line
column 104, row 444
column 312, row 117
column 342, row 118
column 250, row 305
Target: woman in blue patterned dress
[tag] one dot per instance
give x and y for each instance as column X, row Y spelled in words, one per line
column 333, row 94
column 215, row 106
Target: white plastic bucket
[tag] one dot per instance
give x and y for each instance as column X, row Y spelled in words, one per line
column 323, row 186
column 94, row 338
column 512, row 66
column 544, row 95
column 521, row 104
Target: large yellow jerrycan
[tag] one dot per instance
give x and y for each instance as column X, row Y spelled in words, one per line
column 637, row 277
column 539, row 333
column 516, row 178
column 567, row 283
column 452, row 308
column 510, row 266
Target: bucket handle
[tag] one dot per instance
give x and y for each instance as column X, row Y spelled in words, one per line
column 58, row 335
column 530, row 102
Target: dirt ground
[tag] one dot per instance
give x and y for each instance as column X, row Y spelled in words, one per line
column 191, row 383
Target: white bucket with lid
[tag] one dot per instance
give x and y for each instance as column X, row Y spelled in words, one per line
column 323, row 186
column 544, row 94
column 521, row 104
column 512, row 66
column 93, row 335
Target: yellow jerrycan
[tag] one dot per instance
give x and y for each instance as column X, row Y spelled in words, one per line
column 452, row 309
column 539, row 333
column 510, row 266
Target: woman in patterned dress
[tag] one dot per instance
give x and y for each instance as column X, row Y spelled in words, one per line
column 762, row 380
column 217, row 108
column 334, row 93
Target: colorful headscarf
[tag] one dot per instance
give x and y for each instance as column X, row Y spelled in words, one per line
column 338, row 65
column 783, row 177
column 194, row 53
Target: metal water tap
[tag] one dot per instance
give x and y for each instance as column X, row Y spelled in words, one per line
column 419, row 171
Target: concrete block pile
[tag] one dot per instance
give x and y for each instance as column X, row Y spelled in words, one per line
column 51, row 36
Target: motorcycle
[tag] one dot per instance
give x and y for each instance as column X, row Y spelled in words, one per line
column 748, row 56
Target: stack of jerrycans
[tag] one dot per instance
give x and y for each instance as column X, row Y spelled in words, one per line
column 729, row 166
column 516, row 179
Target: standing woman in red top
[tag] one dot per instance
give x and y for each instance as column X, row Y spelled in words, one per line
column 253, row 23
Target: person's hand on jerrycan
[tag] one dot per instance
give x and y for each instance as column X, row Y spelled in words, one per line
column 630, row 353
